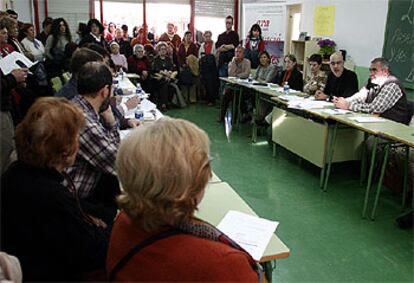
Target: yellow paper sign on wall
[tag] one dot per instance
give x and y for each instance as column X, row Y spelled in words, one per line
column 323, row 20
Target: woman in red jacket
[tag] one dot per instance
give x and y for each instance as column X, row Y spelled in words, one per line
column 156, row 237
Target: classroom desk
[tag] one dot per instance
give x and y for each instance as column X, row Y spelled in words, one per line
column 393, row 133
column 218, row 199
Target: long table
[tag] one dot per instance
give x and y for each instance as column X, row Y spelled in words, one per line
column 328, row 135
column 218, row 199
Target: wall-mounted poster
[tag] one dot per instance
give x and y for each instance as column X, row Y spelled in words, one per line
column 271, row 17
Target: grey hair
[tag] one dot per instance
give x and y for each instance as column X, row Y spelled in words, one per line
column 385, row 64
column 138, row 46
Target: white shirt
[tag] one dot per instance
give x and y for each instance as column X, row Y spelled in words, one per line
column 35, row 47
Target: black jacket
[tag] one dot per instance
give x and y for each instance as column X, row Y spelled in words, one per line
column 295, row 80
column 344, row 86
column 42, row 224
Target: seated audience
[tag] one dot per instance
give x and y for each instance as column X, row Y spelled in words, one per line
column 119, row 59
column 124, row 44
column 31, row 44
column 42, row 221
column 317, row 79
column 139, row 64
column 47, row 28
column 94, row 34
column 239, row 67
column 383, row 95
column 156, row 204
column 13, row 33
column 93, row 172
column 341, row 82
column 81, row 32
column 163, row 73
column 291, row 75
column 254, row 45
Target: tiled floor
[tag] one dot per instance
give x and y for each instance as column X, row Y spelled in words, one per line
column 329, row 241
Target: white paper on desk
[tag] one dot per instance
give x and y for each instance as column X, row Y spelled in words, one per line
column 147, row 105
column 367, row 119
column 250, row 232
column 309, row 104
column 336, row 111
column 291, row 97
column 9, row 63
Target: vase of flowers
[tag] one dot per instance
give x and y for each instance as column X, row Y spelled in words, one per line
column 327, row 47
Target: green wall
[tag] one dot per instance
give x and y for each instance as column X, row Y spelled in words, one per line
column 363, row 74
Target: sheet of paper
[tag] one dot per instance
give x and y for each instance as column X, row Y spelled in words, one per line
column 124, row 133
column 14, row 60
column 367, row 119
column 309, row 104
column 147, row 105
column 336, row 111
column 250, row 232
column 291, row 97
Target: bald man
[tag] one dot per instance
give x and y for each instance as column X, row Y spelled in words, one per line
column 341, row 82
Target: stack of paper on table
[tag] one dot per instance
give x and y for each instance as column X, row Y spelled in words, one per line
column 250, row 232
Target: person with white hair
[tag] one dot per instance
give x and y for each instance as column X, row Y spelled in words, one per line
column 119, row 59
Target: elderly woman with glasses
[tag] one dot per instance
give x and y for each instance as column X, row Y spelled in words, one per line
column 162, row 189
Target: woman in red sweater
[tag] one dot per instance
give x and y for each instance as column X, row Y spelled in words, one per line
column 156, row 237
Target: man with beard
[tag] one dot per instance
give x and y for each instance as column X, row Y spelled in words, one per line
column 383, row 95
column 93, row 173
column 341, row 82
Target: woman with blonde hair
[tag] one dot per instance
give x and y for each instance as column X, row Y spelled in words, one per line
column 156, row 236
column 43, row 222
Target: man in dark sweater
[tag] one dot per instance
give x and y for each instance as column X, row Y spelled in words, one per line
column 225, row 45
column 341, row 82
column 383, row 95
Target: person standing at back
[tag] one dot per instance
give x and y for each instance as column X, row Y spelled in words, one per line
column 225, row 45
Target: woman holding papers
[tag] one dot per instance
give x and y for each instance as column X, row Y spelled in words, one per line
column 156, row 236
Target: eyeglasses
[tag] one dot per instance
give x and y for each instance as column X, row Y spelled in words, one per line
column 333, row 63
column 373, row 70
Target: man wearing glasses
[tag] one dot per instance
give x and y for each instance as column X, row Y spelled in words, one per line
column 383, row 95
column 341, row 82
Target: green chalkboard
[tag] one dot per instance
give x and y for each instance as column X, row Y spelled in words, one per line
column 399, row 40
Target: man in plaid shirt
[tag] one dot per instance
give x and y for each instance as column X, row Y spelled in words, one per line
column 99, row 140
column 383, row 95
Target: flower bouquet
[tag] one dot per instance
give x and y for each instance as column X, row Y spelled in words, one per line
column 327, row 47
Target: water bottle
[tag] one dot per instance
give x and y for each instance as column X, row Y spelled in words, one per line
column 121, row 72
column 286, row 88
column 139, row 114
